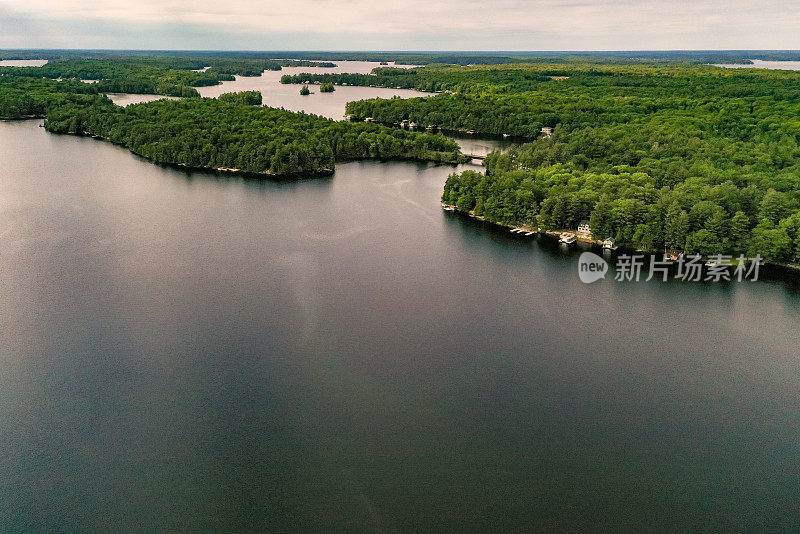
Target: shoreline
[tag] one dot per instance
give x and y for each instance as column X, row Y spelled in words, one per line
column 792, row 268
column 318, row 173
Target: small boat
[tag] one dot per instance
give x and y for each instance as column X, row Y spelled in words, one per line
column 506, row 136
column 448, row 207
column 471, row 132
column 530, row 233
column 567, row 238
column 610, row 244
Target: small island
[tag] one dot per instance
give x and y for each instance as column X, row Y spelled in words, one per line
column 305, row 90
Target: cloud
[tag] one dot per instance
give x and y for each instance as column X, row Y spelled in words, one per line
column 391, row 25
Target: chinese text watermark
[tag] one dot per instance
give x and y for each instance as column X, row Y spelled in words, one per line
column 692, row 268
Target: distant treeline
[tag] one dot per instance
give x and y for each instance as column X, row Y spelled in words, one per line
column 511, row 99
column 433, row 79
column 427, row 58
column 172, row 76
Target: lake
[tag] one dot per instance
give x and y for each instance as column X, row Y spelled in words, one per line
column 276, row 94
column 126, row 99
column 23, row 62
column 288, row 96
column 188, row 352
column 761, row 64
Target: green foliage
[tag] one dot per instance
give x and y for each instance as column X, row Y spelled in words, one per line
column 689, row 158
column 327, row 88
column 251, row 98
column 231, row 134
column 305, row 90
column 172, row 76
column 28, row 97
column 431, row 79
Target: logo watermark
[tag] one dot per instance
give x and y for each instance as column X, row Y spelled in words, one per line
column 692, row 268
column 591, row 267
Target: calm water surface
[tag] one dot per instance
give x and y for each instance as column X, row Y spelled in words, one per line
column 23, row 62
column 288, row 96
column 760, row 64
column 183, row 352
column 125, row 99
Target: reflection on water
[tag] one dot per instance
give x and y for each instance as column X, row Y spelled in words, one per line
column 126, row 99
column 23, row 62
column 180, row 351
column 288, row 96
column 480, row 145
column 759, row 64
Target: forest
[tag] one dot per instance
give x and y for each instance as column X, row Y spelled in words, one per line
column 431, row 79
column 672, row 155
column 691, row 158
column 170, row 76
column 231, row 133
column 31, row 97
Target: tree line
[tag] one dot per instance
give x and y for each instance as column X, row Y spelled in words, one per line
column 171, row 76
column 431, row 79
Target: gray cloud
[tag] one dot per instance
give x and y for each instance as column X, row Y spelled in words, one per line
column 410, row 25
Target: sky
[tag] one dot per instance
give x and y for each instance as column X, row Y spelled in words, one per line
column 400, row 25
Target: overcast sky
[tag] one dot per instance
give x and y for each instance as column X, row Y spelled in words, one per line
column 400, row 25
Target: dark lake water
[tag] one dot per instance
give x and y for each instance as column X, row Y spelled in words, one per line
column 184, row 352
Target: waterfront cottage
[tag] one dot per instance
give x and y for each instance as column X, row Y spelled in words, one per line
column 584, row 230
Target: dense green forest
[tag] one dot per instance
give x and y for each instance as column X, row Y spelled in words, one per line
column 251, row 98
column 691, row 158
column 32, row 97
column 230, row 133
column 434, row 78
column 171, row 76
